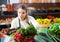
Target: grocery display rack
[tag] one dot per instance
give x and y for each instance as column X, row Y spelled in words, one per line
column 45, row 10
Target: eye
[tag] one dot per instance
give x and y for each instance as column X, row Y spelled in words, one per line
column 19, row 12
column 23, row 12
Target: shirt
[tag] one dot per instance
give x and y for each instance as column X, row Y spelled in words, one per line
column 15, row 23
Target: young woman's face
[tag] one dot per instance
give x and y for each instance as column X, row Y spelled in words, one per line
column 22, row 14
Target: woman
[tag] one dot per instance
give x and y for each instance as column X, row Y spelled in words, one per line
column 23, row 19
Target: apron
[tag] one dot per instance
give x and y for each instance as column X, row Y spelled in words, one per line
column 20, row 24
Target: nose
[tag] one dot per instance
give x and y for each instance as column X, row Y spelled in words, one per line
column 21, row 14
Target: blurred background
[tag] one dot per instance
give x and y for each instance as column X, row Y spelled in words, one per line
column 39, row 9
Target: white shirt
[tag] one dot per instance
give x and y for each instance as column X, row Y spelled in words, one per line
column 15, row 23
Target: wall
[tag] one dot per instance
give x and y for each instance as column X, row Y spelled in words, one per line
column 14, row 1
column 37, row 1
column 58, row 1
column 28, row 1
column 33, row 1
column 3, row 2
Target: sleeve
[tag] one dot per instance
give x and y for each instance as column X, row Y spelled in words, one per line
column 34, row 22
column 13, row 24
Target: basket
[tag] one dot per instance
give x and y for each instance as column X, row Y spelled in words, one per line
column 45, row 25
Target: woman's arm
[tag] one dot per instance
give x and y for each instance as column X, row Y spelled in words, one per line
column 15, row 23
column 34, row 22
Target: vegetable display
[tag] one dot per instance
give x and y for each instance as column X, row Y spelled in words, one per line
column 55, row 30
column 43, row 21
column 25, row 35
column 30, row 34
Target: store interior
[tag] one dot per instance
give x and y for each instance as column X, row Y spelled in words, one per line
column 45, row 12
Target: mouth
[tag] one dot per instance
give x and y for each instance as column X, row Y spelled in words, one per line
column 22, row 18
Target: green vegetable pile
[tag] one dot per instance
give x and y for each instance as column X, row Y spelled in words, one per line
column 29, row 31
column 51, row 34
column 55, row 30
column 38, row 17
